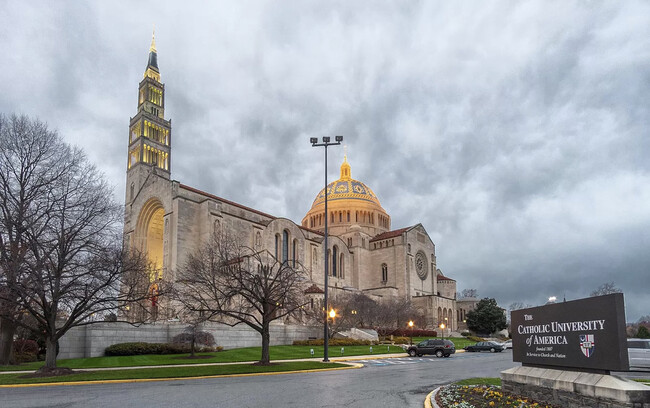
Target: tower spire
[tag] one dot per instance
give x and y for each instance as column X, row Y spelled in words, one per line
column 153, row 40
column 152, row 70
column 345, row 167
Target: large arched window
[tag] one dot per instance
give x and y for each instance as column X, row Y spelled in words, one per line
column 285, row 246
column 335, row 253
column 329, row 264
column 384, row 272
column 277, row 246
column 341, row 267
column 294, row 252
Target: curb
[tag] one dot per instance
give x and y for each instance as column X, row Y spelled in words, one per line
column 139, row 380
column 427, row 400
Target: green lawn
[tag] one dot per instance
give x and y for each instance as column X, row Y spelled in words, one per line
column 227, row 356
column 170, row 372
column 459, row 342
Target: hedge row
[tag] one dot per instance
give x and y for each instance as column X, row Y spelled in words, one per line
column 333, row 342
column 140, row 348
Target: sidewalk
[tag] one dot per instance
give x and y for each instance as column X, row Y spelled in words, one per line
column 332, row 359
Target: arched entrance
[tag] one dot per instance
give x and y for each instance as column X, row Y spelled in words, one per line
column 150, row 228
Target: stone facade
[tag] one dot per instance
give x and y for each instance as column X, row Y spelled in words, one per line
column 92, row 340
column 169, row 220
column 573, row 389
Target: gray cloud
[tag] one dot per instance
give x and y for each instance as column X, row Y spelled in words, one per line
column 515, row 132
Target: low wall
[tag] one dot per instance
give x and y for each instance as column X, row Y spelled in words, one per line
column 572, row 389
column 92, row 340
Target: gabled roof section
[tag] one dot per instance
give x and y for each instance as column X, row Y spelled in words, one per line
column 311, row 230
column 203, row 193
column 390, row 234
column 313, row 289
column 444, row 278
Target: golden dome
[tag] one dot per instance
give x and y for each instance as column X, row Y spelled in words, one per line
column 346, row 188
column 350, row 202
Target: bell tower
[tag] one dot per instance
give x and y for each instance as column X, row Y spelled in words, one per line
column 149, row 132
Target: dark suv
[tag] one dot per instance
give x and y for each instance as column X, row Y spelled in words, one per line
column 441, row 348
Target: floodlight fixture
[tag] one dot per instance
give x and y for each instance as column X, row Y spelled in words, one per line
column 326, row 139
column 338, row 138
column 313, row 140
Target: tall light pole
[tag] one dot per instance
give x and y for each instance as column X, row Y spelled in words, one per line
column 326, row 143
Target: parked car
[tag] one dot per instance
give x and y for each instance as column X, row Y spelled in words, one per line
column 491, row 346
column 507, row 344
column 638, row 351
column 438, row 347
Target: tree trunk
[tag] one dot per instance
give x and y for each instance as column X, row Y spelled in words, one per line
column 50, row 352
column 266, row 343
column 192, row 347
column 7, row 331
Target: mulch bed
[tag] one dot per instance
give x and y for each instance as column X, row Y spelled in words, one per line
column 483, row 396
column 265, row 364
column 49, row 372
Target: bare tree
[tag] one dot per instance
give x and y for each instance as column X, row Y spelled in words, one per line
column 62, row 257
column 394, row 314
column 469, row 293
column 194, row 334
column 347, row 314
column 232, row 284
column 518, row 306
column 366, row 311
column 29, row 165
column 606, row 289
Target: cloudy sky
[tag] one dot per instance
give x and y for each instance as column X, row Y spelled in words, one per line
column 517, row 133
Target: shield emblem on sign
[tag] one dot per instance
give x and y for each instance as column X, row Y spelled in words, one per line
column 587, row 344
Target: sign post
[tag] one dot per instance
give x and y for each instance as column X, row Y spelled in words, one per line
column 580, row 335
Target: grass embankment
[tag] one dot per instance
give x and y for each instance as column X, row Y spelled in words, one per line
column 459, row 342
column 169, row 372
column 227, row 356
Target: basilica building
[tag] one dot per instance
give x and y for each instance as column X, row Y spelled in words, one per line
column 169, row 220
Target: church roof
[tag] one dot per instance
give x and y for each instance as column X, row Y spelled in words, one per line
column 313, row 289
column 390, row 234
column 445, row 278
column 195, row 190
column 223, row 200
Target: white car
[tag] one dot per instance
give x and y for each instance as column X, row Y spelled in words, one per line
column 638, row 351
column 507, row 344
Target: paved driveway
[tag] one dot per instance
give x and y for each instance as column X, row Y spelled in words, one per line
column 400, row 382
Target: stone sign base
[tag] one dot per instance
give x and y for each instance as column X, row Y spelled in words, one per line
column 573, row 389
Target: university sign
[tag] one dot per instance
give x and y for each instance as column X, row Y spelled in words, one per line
column 585, row 334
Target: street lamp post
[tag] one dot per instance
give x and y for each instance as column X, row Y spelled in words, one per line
column 442, row 327
column 411, row 326
column 314, row 143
